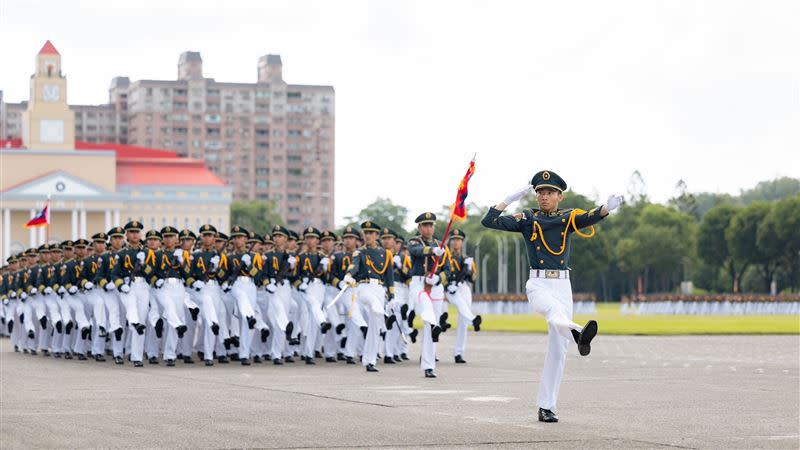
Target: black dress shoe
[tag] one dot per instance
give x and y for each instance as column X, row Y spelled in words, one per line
column 429, row 373
column 413, row 335
column 576, row 335
column 310, row 361
column 181, row 330
column 340, row 328
column 81, row 357
column 585, row 339
column 188, row 360
column 411, row 317
column 404, row 312
column 436, row 330
column 396, row 358
column 343, row 342
column 264, row 334
column 170, row 363
column 324, row 327
column 288, row 359
column 223, row 360
column 235, row 341
column 138, row 364
column 43, row 322
column 55, row 354
column 67, row 355
column 390, row 321
column 46, row 352
column 102, row 332
column 545, row 415
column 330, row 359
column 245, row 361
column 256, row 359
column 371, row 368
column 99, row 358
column 476, row 323
column 118, row 360
column 403, row 356
column 364, row 331
column 277, row 362
column 340, row 356
column 460, row 360
column 31, row 335
column 388, row 360
column 194, row 313
column 201, row 356
column 251, row 322
column 159, row 327
column 152, row 360
column 443, row 321
column 33, row 353
column 289, row 330
column 215, row 328
column 349, row 360
column 317, row 354
column 209, row 362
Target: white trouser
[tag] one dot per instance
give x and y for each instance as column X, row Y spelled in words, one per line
column 77, row 304
column 111, row 303
column 171, row 299
column 53, row 311
column 401, row 294
column 191, row 300
column 462, row 300
column 313, row 297
column 355, row 316
column 277, row 313
column 552, row 298
column 137, row 304
column 244, row 292
column 211, row 310
column 331, row 339
column 372, row 297
column 259, row 347
column 428, row 307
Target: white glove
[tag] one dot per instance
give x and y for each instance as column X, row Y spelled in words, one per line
column 110, row 287
column 451, row 289
column 432, row 280
column 303, row 286
column 126, row 280
column 32, row 290
column 613, row 202
column 246, row 259
column 5, row 301
column 348, row 279
column 13, row 294
column 197, row 285
column 292, row 261
column 271, row 288
column 225, row 286
column 468, row 261
column 398, row 261
column 125, row 288
column 48, row 290
column 325, row 262
column 214, row 262
column 73, row 290
column 342, row 285
column 140, row 257
column 438, row 251
column 159, row 283
column 178, row 254
column 61, row 290
column 517, row 195
column 88, row 286
column 23, row 296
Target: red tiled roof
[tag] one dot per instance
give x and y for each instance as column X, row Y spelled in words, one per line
column 48, row 49
column 146, row 166
column 158, row 171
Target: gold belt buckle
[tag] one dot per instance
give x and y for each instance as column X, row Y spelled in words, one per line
column 551, row 274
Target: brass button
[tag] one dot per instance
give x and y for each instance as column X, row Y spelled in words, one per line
column 538, row 247
column 541, row 261
column 562, row 261
column 562, row 233
column 563, row 220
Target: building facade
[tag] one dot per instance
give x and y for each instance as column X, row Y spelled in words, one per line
column 92, row 186
column 269, row 140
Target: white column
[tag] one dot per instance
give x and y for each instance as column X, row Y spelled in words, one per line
column 116, row 219
column 83, row 223
column 108, row 221
column 32, row 232
column 74, row 229
column 6, row 233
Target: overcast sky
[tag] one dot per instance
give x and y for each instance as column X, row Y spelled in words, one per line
column 704, row 91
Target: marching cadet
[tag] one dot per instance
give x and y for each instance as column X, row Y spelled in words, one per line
column 34, row 307
column 331, row 340
column 167, row 277
column 108, row 291
column 154, row 332
column 128, row 276
column 356, row 325
column 461, row 273
column 259, row 347
column 244, row 266
column 191, row 297
column 61, row 253
column 392, row 336
column 204, row 270
column 16, row 307
column 95, row 300
column 49, row 282
column 371, row 267
column 297, row 312
column 339, row 263
column 231, row 343
column 311, row 268
column 547, row 232
column 277, row 269
column 40, row 259
column 402, row 278
column 72, row 279
column 424, row 250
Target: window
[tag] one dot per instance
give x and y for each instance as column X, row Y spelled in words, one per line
column 293, row 95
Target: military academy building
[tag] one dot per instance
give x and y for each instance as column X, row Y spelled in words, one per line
column 93, row 186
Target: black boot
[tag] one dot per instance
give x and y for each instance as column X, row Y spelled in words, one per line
column 324, row 327
column 460, row 360
column 435, row 332
column 390, row 321
column 289, row 329
column 181, row 330
column 159, row 327
column 585, row 338
column 413, row 336
column 118, row 334
column 251, row 322
column 411, row 316
column 340, row 328
column 545, row 415
column 388, row 360
column 215, row 328
column 404, row 312
column 264, row 334
column 152, row 360
column 118, row 360
column 170, row 363
column 223, row 359
column 476, row 323
column 371, row 368
column 429, row 373
column 194, row 312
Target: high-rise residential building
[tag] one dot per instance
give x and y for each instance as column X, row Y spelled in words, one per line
column 269, row 140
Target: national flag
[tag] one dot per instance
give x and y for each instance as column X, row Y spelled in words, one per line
column 460, row 207
column 39, row 220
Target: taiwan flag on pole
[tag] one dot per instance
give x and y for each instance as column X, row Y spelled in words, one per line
column 460, row 207
column 40, row 219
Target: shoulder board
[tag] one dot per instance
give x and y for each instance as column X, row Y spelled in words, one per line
column 355, row 253
column 520, row 216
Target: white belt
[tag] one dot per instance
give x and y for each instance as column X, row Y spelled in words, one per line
column 137, row 279
column 211, row 282
column 244, row 279
column 173, row 281
column 549, row 273
column 371, row 281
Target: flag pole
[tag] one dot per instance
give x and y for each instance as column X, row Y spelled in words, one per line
column 47, row 222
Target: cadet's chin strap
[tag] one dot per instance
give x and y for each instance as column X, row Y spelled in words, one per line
column 537, row 230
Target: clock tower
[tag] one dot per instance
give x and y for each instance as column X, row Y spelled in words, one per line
column 48, row 124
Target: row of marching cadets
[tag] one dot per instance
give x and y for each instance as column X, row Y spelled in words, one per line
column 168, row 294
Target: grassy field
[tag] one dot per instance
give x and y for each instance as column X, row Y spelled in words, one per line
column 610, row 321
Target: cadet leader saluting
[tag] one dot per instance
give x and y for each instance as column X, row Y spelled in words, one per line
column 547, row 232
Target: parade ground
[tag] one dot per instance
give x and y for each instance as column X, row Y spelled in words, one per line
column 631, row 392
